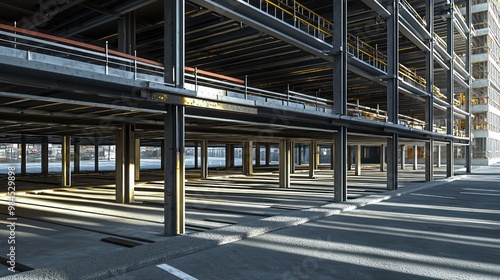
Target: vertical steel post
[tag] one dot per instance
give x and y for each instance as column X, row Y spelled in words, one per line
column 174, row 212
column 393, row 92
column 429, row 101
column 450, row 88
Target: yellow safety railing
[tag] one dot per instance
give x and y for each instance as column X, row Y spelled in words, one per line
column 356, row 46
column 415, row 14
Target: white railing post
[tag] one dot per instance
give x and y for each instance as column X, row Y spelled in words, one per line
column 246, row 87
column 107, row 59
column 135, row 65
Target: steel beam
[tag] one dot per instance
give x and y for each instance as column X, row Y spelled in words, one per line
column 174, row 212
column 285, row 163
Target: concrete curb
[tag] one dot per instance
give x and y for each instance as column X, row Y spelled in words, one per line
column 115, row 263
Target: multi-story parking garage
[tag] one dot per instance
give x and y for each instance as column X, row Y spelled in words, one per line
column 273, row 81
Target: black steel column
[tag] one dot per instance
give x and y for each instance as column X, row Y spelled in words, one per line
column 468, row 53
column 45, row 156
column 66, row 161
column 392, row 92
column 340, row 96
column 450, row 88
column 174, row 213
column 257, row 154
column 125, row 164
column 382, row 158
column 429, row 101
column 174, row 42
column 268, row 154
column 247, row 159
column 96, row 158
column 23, row 155
column 127, row 33
column 204, row 158
column 76, row 158
column 196, row 154
column 285, row 163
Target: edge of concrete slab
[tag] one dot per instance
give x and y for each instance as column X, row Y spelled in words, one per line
column 115, row 263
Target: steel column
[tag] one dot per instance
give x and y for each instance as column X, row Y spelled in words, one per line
column 66, row 161
column 174, row 212
column 332, row 156
column 196, row 154
column 268, row 154
column 137, row 159
column 162, row 155
column 468, row 53
column 23, row 155
column 340, row 172
column 382, row 158
column 429, row 101
column 438, row 156
column 403, row 156
column 285, row 163
column 415, row 157
column 450, row 89
column 257, row 154
column 292, row 157
column 45, row 156
column 312, row 158
column 125, row 164
column 204, row 158
column 229, row 156
column 247, row 158
column 96, row 158
column 174, row 33
column 429, row 160
column 357, row 164
column 76, row 158
column 127, row 33
column 349, row 157
column 392, row 92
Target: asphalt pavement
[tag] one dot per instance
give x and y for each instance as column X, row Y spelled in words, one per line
column 447, row 229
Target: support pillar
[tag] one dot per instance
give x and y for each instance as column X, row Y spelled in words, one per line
column 174, row 212
column 382, row 158
column 429, row 161
column 438, row 156
column 204, row 159
column 468, row 53
column 247, row 158
column 317, row 156
column 45, row 156
column 415, row 157
column 293, row 153
column 137, row 159
column 312, row 158
column 127, row 33
column 162, row 155
column 66, row 161
column 285, row 163
column 392, row 92
column 332, row 157
column 23, row 155
column 257, row 154
column 268, row 154
column 229, row 156
column 96, row 158
column 357, row 169
column 450, row 90
column 340, row 172
column 76, row 157
column 349, row 158
column 196, row 155
column 403, row 156
column 125, row 164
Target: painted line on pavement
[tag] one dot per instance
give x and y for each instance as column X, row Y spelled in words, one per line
column 430, row 195
column 482, row 190
column 174, row 271
column 473, row 193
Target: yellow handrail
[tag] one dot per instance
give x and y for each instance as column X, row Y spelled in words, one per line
column 417, row 16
